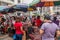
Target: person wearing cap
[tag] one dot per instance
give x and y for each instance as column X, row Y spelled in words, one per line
column 48, row 29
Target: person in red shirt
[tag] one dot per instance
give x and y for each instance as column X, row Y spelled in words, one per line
column 18, row 29
column 38, row 22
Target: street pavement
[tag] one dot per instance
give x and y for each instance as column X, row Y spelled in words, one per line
column 6, row 37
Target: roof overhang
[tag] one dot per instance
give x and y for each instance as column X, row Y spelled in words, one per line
column 9, row 2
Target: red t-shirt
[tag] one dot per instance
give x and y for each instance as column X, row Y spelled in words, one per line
column 38, row 22
column 18, row 26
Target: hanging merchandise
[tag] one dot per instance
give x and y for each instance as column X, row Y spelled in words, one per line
column 47, row 4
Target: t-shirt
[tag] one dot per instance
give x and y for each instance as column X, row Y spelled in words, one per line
column 49, row 31
column 38, row 22
column 30, row 30
column 18, row 26
column 56, row 22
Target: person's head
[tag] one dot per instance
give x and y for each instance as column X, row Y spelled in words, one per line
column 47, row 18
column 38, row 17
column 55, row 18
column 33, row 16
column 13, row 17
column 18, row 19
column 29, row 23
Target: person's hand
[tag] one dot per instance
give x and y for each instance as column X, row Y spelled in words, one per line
column 32, row 36
column 23, row 31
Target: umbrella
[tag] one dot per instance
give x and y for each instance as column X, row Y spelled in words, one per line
column 2, row 8
column 9, row 10
column 21, row 7
column 46, row 4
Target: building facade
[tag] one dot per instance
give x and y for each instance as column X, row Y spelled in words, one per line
column 49, row 0
column 9, row 2
column 6, row 2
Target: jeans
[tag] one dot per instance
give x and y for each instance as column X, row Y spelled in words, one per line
column 18, row 37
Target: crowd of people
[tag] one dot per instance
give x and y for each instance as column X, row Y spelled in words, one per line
column 33, row 27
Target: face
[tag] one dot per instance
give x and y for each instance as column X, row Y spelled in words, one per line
column 17, row 19
column 29, row 23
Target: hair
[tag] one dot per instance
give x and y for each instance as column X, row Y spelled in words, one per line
column 13, row 17
column 48, row 17
column 18, row 19
column 33, row 24
column 33, row 16
column 55, row 18
column 38, row 17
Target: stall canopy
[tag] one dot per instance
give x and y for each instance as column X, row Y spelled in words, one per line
column 50, row 3
column 2, row 8
column 34, row 2
column 9, row 10
column 20, row 7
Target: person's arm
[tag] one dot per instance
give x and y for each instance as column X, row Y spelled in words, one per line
column 57, row 31
column 41, row 32
column 22, row 28
column 42, row 29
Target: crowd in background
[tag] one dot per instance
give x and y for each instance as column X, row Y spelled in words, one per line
column 33, row 27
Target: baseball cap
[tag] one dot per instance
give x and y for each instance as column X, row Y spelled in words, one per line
column 48, row 17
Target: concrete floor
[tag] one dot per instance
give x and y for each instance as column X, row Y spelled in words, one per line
column 6, row 37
